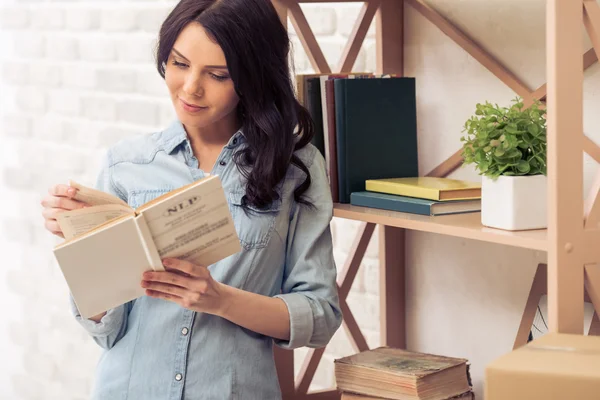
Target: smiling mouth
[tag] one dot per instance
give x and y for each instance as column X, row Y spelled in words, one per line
column 191, row 106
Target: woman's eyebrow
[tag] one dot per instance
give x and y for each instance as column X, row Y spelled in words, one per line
column 206, row 66
column 180, row 55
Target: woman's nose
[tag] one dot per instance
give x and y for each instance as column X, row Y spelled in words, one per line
column 193, row 87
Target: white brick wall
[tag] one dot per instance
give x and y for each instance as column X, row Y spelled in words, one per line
column 81, row 76
column 78, row 75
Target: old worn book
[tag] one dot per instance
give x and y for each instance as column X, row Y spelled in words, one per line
column 399, row 374
column 109, row 245
column 355, row 396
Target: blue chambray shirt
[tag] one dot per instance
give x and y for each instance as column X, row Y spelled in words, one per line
column 155, row 349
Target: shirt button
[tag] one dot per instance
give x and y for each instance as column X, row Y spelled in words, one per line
column 185, row 331
column 222, row 163
column 178, row 377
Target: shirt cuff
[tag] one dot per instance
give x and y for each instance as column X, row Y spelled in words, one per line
column 301, row 321
column 107, row 325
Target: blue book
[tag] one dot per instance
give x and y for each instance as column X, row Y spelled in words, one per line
column 413, row 205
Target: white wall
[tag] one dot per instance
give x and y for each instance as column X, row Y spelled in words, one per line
column 78, row 75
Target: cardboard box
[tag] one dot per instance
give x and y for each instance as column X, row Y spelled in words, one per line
column 553, row 367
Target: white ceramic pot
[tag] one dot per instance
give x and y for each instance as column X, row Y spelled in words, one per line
column 514, row 202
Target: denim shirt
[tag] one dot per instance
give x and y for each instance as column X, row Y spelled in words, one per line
column 156, row 349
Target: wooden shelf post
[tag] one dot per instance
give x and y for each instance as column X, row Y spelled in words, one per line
column 565, row 166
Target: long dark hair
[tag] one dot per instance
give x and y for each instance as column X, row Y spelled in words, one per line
column 256, row 46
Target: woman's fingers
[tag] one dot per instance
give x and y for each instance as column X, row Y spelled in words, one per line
column 52, row 213
column 61, row 202
column 53, row 227
column 164, row 288
column 59, row 199
column 185, row 268
column 170, row 278
column 62, row 190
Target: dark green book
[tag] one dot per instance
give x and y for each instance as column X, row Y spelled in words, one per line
column 376, row 131
column 413, row 205
column 315, row 109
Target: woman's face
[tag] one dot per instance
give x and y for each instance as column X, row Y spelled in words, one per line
column 198, row 80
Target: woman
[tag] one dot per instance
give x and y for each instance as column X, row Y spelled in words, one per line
column 206, row 332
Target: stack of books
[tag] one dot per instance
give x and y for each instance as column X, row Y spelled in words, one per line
column 420, row 195
column 365, row 127
column 395, row 374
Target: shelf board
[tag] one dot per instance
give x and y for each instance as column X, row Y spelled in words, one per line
column 467, row 226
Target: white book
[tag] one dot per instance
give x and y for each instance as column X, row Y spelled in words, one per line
column 109, row 245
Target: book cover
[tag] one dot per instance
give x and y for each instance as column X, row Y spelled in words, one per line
column 398, row 374
column 425, row 187
column 357, row 396
column 376, row 131
column 109, row 245
column 413, row 205
column 401, row 362
column 329, row 128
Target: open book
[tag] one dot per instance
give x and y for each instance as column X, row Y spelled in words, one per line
column 109, row 245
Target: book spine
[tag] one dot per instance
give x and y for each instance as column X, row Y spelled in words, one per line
column 391, row 205
column 340, row 132
column 402, row 190
column 333, row 159
column 315, row 109
column 152, row 255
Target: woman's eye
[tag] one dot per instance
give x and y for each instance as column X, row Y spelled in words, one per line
column 219, row 77
column 178, row 64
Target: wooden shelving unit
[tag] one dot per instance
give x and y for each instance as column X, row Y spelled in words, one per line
column 573, row 235
column 466, row 226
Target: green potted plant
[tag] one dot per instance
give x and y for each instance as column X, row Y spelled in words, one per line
column 508, row 147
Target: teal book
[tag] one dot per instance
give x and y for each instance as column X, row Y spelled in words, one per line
column 413, row 205
column 376, row 131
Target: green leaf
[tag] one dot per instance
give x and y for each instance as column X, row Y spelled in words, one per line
column 533, row 129
column 523, row 166
column 514, row 153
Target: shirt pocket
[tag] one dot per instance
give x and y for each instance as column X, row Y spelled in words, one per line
column 254, row 226
column 138, row 198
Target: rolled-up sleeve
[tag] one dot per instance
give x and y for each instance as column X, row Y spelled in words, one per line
column 113, row 325
column 309, row 284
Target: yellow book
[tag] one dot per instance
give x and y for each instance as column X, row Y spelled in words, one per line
column 432, row 188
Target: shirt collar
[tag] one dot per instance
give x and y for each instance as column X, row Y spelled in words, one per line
column 175, row 135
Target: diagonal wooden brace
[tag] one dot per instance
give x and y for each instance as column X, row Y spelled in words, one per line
column 539, row 288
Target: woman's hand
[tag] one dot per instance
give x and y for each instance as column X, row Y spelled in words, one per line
column 59, row 199
column 189, row 285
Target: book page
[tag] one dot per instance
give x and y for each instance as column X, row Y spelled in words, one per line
column 77, row 222
column 194, row 225
column 95, row 197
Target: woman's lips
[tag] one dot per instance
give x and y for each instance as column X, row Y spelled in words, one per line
column 191, row 107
